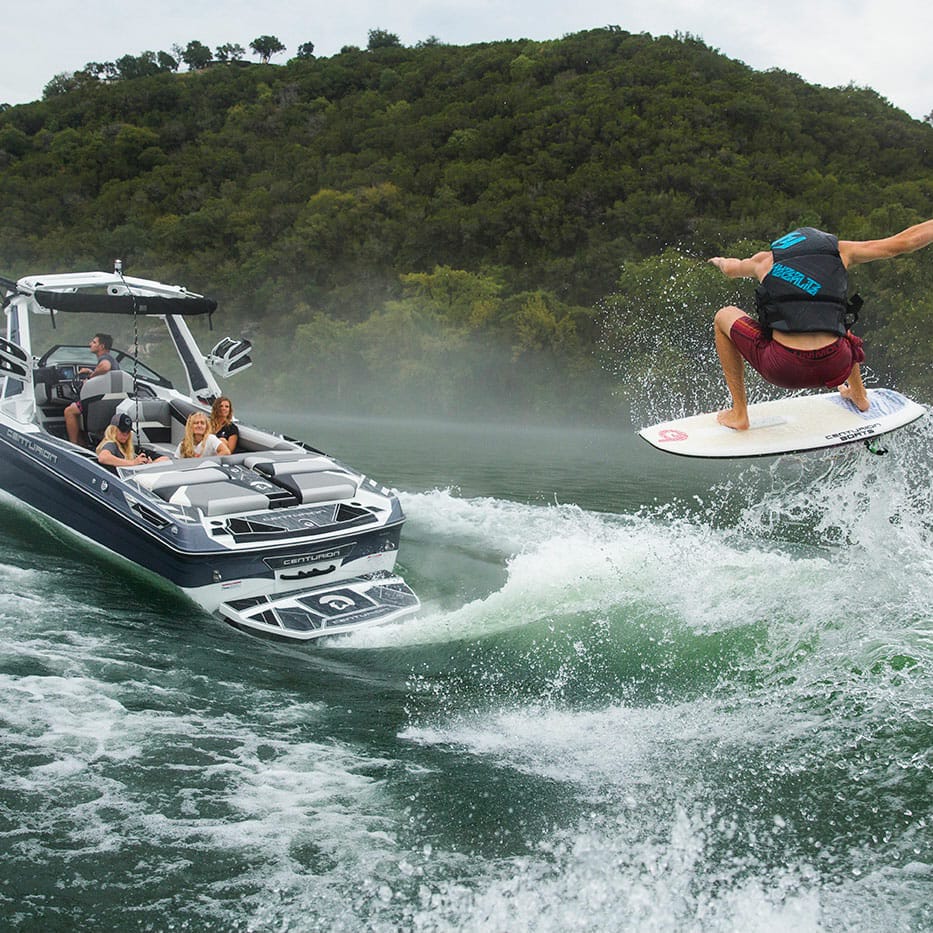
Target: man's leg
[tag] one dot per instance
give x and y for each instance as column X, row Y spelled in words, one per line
column 73, row 423
column 733, row 368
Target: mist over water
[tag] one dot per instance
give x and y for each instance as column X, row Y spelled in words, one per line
column 643, row 694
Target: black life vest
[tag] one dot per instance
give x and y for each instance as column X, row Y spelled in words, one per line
column 806, row 289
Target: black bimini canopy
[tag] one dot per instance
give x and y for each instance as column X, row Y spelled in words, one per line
column 123, row 304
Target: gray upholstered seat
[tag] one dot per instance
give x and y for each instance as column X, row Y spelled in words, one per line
column 309, row 478
column 221, row 498
column 284, row 467
column 158, row 479
column 318, row 486
column 152, row 418
column 100, row 396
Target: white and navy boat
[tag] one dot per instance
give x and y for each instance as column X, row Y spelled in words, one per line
column 278, row 538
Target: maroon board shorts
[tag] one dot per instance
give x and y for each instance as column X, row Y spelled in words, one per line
column 796, row 369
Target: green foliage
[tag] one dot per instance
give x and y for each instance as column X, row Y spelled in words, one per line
column 128, row 67
column 478, row 202
column 65, row 82
column 382, row 39
column 230, row 52
column 265, row 47
column 196, row 55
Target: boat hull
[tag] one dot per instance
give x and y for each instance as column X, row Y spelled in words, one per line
column 85, row 498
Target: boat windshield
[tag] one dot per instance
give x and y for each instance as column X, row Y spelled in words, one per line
column 64, row 355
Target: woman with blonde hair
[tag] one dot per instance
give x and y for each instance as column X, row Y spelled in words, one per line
column 222, row 423
column 116, row 449
column 198, row 440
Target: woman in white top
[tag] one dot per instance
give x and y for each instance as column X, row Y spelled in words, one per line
column 198, row 441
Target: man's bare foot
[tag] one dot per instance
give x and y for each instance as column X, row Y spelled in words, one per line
column 730, row 419
column 859, row 401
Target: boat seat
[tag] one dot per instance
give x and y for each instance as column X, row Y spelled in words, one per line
column 220, row 498
column 317, row 486
column 45, row 380
column 277, row 453
column 157, row 480
column 152, row 418
column 262, row 464
column 204, row 487
column 241, row 456
column 309, row 479
column 100, row 397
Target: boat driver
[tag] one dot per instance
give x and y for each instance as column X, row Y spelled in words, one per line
column 100, row 346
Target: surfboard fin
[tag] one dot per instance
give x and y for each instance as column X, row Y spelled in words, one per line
column 874, row 445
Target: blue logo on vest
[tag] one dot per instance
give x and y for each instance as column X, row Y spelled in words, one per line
column 791, row 239
column 794, row 277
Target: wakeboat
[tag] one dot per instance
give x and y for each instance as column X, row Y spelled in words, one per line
column 278, row 538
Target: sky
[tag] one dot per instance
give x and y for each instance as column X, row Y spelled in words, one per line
column 868, row 43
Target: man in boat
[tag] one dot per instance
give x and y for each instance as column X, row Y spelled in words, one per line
column 802, row 338
column 100, row 346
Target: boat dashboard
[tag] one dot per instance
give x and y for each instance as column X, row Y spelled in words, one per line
column 58, row 376
column 63, row 363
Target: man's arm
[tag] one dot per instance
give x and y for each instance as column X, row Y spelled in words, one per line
column 103, row 366
column 109, row 458
column 910, row 240
column 755, row 267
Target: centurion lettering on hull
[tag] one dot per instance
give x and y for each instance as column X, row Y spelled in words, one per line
column 32, row 447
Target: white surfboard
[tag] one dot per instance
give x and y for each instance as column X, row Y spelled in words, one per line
column 788, row 425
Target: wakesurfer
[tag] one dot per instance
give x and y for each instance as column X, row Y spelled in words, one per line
column 802, row 338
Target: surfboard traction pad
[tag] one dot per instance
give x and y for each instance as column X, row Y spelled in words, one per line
column 817, row 421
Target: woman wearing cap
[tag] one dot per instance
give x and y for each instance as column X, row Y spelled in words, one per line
column 116, row 449
column 222, row 423
column 198, row 440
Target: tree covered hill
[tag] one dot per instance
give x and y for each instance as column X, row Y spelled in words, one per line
column 470, row 208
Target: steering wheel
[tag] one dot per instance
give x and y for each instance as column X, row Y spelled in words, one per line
column 75, row 383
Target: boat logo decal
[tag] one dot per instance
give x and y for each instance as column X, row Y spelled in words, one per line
column 671, row 434
column 30, row 446
column 854, row 433
column 307, row 558
column 294, row 562
column 337, row 602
